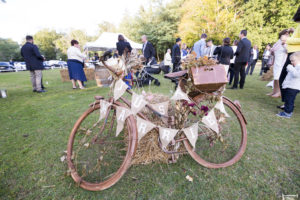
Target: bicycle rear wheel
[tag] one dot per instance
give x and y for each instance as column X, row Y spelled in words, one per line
column 97, row 159
column 219, row 153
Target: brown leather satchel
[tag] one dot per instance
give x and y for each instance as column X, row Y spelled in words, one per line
column 209, row 78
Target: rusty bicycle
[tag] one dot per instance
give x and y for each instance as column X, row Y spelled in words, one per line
column 97, row 159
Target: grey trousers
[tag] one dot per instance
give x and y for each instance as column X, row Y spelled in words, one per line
column 36, row 79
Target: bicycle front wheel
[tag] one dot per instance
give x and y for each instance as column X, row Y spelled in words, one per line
column 97, row 159
column 213, row 151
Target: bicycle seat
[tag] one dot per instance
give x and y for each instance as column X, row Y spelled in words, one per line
column 176, row 74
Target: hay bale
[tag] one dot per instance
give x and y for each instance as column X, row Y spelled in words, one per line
column 149, row 150
column 64, row 74
column 268, row 76
column 89, row 73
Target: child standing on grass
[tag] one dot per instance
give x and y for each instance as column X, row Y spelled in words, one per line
column 291, row 85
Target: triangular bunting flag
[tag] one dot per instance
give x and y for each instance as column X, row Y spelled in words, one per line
column 103, row 108
column 211, row 121
column 192, row 133
column 179, row 95
column 220, row 105
column 122, row 113
column 161, row 108
column 138, row 103
column 120, row 88
column 143, row 127
column 166, row 135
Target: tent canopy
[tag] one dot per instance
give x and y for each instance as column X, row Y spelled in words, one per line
column 108, row 41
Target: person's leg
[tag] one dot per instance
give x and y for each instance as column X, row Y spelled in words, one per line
column 284, row 73
column 290, row 100
column 32, row 78
column 38, row 79
column 253, row 66
column 248, row 67
column 80, row 84
column 263, row 63
column 276, row 89
column 175, row 67
column 243, row 75
column 237, row 69
column 231, row 73
column 73, row 83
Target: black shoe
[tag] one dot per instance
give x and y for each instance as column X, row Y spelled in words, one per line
column 281, row 107
column 41, row 91
column 233, row 88
column 241, row 88
column 34, row 91
column 156, row 82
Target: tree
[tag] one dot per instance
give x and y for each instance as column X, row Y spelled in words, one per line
column 212, row 17
column 64, row 42
column 264, row 19
column 9, row 49
column 106, row 26
column 45, row 39
column 159, row 22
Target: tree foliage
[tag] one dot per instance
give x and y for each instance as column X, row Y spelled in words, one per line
column 64, row 42
column 159, row 22
column 212, row 17
column 45, row 39
column 106, row 26
column 263, row 19
column 9, row 49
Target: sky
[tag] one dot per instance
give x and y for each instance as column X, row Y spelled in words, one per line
column 21, row 17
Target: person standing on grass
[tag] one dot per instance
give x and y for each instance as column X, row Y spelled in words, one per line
column 242, row 57
column 265, row 59
column 231, row 66
column 291, row 85
column 75, row 65
column 176, row 55
column 224, row 53
column 34, row 63
column 253, row 60
column 167, row 62
column 280, row 53
column 123, row 46
column 293, row 45
column 199, row 46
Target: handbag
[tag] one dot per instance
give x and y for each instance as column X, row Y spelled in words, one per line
column 209, row 78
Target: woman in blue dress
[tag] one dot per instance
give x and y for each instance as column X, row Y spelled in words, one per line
column 75, row 64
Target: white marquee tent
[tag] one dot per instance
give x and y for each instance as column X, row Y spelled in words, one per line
column 108, row 41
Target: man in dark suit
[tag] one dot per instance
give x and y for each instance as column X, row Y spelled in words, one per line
column 253, row 60
column 148, row 51
column 176, row 55
column 34, row 63
column 242, row 57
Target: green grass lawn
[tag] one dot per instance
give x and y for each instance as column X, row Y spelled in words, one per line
column 34, row 130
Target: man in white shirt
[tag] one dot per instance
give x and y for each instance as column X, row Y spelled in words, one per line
column 253, row 60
